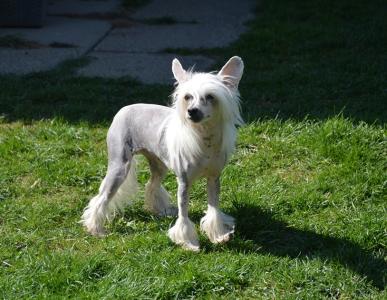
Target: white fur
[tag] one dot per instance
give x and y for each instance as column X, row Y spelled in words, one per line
column 157, row 200
column 126, row 192
column 99, row 209
column 192, row 146
column 218, row 226
column 183, row 233
column 186, row 146
column 94, row 215
column 186, row 143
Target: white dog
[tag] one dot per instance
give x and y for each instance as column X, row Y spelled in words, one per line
column 194, row 138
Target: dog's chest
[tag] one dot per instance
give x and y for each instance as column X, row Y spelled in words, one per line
column 213, row 158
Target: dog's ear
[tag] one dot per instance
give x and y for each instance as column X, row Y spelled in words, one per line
column 232, row 71
column 178, row 72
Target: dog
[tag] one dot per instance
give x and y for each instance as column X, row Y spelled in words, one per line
column 194, row 137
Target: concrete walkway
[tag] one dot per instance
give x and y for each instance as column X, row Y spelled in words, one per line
column 140, row 45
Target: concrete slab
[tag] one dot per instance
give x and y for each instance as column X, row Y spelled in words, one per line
column 156, row 38
column 82, row 7
column 136, row 51
column 80, row 33
column 147, row 68
column 202, row 11
column 23, row 61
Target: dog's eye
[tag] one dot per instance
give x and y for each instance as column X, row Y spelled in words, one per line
column 209, row 97
column 187, row 97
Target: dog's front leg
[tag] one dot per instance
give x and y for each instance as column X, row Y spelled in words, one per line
column 183, row 232
column 218, row 226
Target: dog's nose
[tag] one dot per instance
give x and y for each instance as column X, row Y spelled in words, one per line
column 193, row 112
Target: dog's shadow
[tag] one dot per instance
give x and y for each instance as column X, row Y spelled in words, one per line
column 258, row 231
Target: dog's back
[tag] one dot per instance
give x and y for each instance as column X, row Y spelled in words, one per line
column 130, row 128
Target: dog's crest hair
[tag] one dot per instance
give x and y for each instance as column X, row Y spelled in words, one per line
column 185, row 143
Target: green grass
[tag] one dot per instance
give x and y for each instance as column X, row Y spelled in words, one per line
column 307, row 184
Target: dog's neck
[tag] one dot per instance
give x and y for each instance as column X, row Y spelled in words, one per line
column 211, row 140
column 211, row 135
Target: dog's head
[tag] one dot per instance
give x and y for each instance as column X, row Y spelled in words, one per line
column 206, row 97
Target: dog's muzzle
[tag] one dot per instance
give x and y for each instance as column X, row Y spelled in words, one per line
column 195, row 115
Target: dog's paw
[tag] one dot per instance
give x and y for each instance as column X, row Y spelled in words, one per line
column 92, row 228
column 218, row 226
column 191, row 247
column 223, row 238
column 96, row 231
column 183, row 234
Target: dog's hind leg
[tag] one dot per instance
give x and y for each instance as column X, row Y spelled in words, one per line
column 157, row 199
column 218, row 226
column 183, row 232
column 119, row 183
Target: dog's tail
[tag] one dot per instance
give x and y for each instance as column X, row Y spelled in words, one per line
column 126, row 193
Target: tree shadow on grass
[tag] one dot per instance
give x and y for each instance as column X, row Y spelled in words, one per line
column 275, row 237
column 60, row 94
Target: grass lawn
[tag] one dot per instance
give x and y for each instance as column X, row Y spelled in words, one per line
column 307, row 183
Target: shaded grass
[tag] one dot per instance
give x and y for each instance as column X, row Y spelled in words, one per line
column 316, row 58
column 59, row 94
column 309, row 193
column 16, row 42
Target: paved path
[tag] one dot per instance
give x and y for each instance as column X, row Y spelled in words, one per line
column 63, row 37
column 137, row 47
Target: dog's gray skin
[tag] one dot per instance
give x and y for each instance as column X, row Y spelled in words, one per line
column 143, row 129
